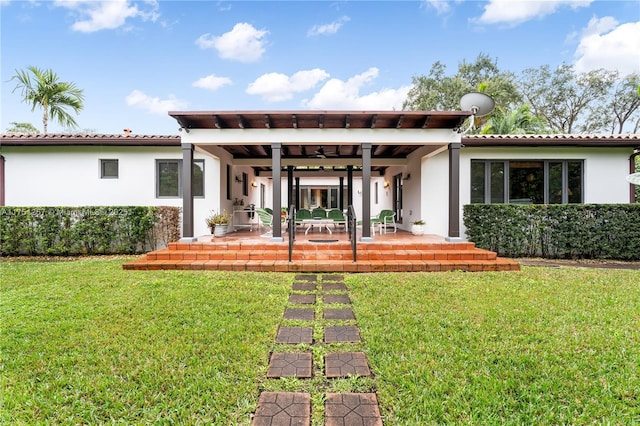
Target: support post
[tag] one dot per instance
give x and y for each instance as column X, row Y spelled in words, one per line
column 297, row 193
column 341, row 194
column 276, row 166
column 289, row 185
column 349, row 185
column 366, row 192
column 187, row 193
column 454, row 192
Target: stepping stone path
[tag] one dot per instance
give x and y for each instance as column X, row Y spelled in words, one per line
column 294, row 408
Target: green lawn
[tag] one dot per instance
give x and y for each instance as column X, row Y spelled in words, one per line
column 85, row 342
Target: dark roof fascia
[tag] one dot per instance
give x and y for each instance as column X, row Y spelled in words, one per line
column 577, row 140
column 19, row 139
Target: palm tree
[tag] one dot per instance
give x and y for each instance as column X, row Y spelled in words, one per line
column 42, row 88
column 518, row 121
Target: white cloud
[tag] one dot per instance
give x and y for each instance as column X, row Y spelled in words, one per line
column 212, row 82
column 338, row 94
column 243, row 43
column 106, row 15
column 153, row 105
column 440, row 6
column 606, row 44
column 514, row 12
column 328, row 29
column 276, row 87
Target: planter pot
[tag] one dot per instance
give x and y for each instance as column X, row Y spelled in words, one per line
column 417, row 229
column 220, row 230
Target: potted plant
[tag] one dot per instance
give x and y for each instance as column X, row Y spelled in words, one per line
column 417, row 228
column 218, row 222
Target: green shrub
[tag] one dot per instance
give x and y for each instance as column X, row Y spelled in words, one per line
column 65, row 231
column 587, row 231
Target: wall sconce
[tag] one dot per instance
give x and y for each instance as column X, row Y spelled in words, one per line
column 386, row 184
column 407, row 177
column 238, row 180
column 254, row 184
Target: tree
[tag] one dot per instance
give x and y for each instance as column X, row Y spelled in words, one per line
column 22, row 128
column 42, row 88
column 436, row 91
column 519, row 121
column 565, row 99
column 625, row 104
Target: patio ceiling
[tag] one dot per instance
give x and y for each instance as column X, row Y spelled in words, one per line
column 333, row 153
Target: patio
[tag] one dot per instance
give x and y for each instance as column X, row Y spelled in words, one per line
column 246, row 250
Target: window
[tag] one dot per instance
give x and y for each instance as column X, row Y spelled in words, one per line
column 245, row 184
column 108, row 169
column 169, row 178
column 526, row 181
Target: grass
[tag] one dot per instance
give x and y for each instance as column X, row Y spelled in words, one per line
column 85, row 342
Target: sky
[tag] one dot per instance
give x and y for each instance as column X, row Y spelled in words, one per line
column 137, row 60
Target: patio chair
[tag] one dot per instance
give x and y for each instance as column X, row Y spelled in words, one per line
column 318, row 212
column 266, row 221
column 338, row 217
column 386, row 219
column 302, row 214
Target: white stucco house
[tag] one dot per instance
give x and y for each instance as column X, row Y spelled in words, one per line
column 416, row 163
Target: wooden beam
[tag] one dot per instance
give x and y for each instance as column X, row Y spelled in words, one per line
column 241, row 123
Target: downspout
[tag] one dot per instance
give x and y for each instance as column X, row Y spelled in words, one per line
column 1, row 180
column 632, row 169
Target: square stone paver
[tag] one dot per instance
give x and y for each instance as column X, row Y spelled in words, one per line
column 330, row 277
column 290, row 365
column 295, row 335
column 344, row 333
column 343, row 364
column 303, row 314
column 283, row 409
column 339, row 314
column 306, row 277
column 334, row 286
column 342, row 409
column 304, row 299
column 336, row 298
column 304, row 286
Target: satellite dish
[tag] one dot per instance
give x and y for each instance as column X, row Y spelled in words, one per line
column 634, row 178
column 478, row 103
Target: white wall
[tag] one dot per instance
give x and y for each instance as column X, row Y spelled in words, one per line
column 604, row 170
column 70, row 176
column 435, row 193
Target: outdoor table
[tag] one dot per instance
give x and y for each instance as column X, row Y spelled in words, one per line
column 311, row 223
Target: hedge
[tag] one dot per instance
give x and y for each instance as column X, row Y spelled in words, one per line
column 68, row 231
column 556, row 231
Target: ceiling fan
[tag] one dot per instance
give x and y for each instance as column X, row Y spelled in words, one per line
column 320, row 153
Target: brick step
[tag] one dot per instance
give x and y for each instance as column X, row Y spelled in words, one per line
column 310, row 253
column 498, row 264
